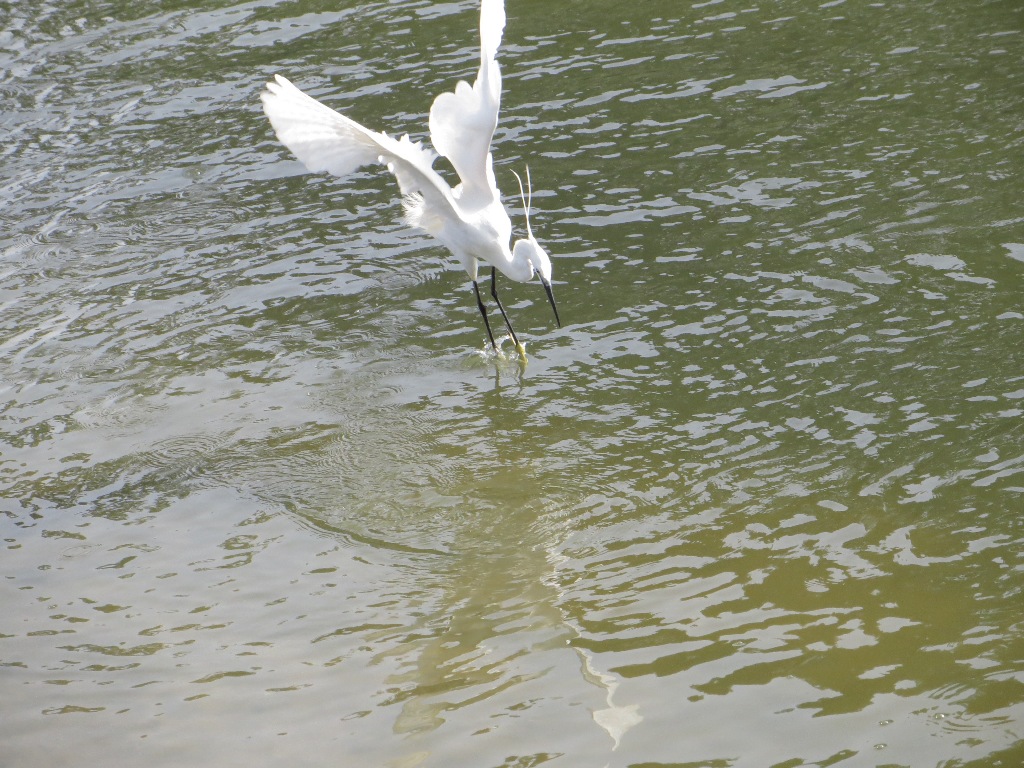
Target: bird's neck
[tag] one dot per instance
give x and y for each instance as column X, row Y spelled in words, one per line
column 519, row 267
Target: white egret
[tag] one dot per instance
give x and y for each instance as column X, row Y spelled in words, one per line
column 469, row 219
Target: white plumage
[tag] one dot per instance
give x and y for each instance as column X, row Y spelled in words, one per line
column 469, row 219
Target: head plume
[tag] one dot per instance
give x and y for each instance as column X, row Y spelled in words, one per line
column 530, row 249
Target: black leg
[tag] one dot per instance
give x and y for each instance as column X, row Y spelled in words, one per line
column 494, row 293
column 483, row 314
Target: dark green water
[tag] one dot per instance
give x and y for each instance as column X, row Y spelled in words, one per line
column 757, row 503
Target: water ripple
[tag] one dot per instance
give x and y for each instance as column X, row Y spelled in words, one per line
column 767, row 474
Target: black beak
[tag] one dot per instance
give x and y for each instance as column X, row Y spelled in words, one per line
column 551, row 298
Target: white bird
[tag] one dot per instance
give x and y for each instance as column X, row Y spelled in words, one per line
column 469, row 219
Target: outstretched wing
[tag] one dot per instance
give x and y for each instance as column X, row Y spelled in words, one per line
column 325, row 140
column 321, row 138
column 462, row 123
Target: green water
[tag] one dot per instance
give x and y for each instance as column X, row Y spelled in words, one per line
column 758, row 503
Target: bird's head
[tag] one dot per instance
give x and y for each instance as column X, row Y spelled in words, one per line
column 530, row 251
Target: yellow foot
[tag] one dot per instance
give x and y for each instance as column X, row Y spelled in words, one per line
column 522, row 352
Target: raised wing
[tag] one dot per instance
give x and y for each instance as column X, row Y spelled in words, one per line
column 325, row 140
column 321, row 138
column 462, row 123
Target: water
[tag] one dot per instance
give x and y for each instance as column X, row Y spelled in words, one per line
column 757, row 504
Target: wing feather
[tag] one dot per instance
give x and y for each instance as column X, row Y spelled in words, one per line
column 326, row 140
column 462, row 123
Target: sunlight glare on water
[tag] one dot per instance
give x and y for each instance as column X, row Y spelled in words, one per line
column 757, row 503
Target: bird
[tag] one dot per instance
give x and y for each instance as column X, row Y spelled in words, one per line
column 469, row 219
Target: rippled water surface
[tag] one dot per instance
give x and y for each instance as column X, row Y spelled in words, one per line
column 758, row 503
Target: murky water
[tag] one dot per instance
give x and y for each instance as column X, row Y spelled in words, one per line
column 758, row 503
